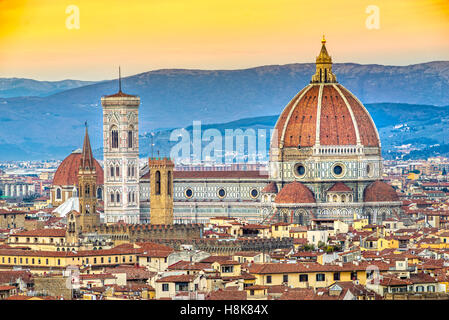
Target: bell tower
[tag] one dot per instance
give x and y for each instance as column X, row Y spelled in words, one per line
column 161, row 191
column 87, row 186
column 121, row 157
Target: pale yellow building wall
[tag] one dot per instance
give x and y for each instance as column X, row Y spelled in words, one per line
column 293, row 279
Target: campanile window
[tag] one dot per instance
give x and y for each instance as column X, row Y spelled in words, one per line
column 130, row 138
column 114, row 138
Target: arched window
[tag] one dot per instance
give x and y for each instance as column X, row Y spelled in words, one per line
column 58, row 193
column 118, row 197
column 157, row 189
column 169, row 183
column 134, row 199
column 112, row 197
column 130, row 138
column 99, row 194
column 114, row 137
column 87, row 190
column 129, row 197
column 117, row 171
column 300, row 218
column 129, row 171
column 132, row 171
column 112, row 171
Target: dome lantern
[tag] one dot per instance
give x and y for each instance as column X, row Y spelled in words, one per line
column 323, row 72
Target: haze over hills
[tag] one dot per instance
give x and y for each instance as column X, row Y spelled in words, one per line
column 52, row 126
column 19, row 87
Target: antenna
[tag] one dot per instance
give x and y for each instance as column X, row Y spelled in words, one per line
column 119, row 80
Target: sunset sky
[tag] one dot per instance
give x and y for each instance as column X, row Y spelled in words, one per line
column 143, row 35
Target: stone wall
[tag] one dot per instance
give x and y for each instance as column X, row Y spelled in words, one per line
column 53, row 286
column 217, row 247
column 145, row 232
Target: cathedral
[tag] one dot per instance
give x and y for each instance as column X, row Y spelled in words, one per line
column 325, row 158
column 325, row 164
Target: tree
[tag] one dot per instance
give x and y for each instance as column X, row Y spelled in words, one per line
column 308, row 247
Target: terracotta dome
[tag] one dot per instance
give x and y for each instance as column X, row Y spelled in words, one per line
column 325, row 113
column 270, row 188
column 67, row 172
column 342, row 119
column 379, row 191
column 339, row 187
column 295, row 192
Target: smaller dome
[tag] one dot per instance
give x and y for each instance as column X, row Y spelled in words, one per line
column 379, row 191
column 67, row 172
column 270, row 188
column 295, row 192
column 339, row 187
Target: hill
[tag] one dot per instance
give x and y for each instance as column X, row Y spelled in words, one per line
column 51, row 126
column 19, row 87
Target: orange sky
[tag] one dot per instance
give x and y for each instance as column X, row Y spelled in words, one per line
column 143, row 35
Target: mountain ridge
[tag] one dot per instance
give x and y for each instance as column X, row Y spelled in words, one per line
column 47, row 127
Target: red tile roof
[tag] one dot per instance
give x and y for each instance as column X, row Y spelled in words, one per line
column 379, row 191
column 155, row 253
column 227, row 295
column 67, row 172
column 247, row 253
column 304, row 294
column 101, row 276
column 13, row 275
column 339, row 187
column 270, row 188
column 187, row 265
column 132, row 272
column 212, row 259
column 120, row 94
column 295, row 192
column 7, row 288
column 41, row 233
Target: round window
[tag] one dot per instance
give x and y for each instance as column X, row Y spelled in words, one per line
column 221, row 193
column 338, row 170
column 369, row 170
column 189, row 193
column 254, row 193
column 300, row 170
